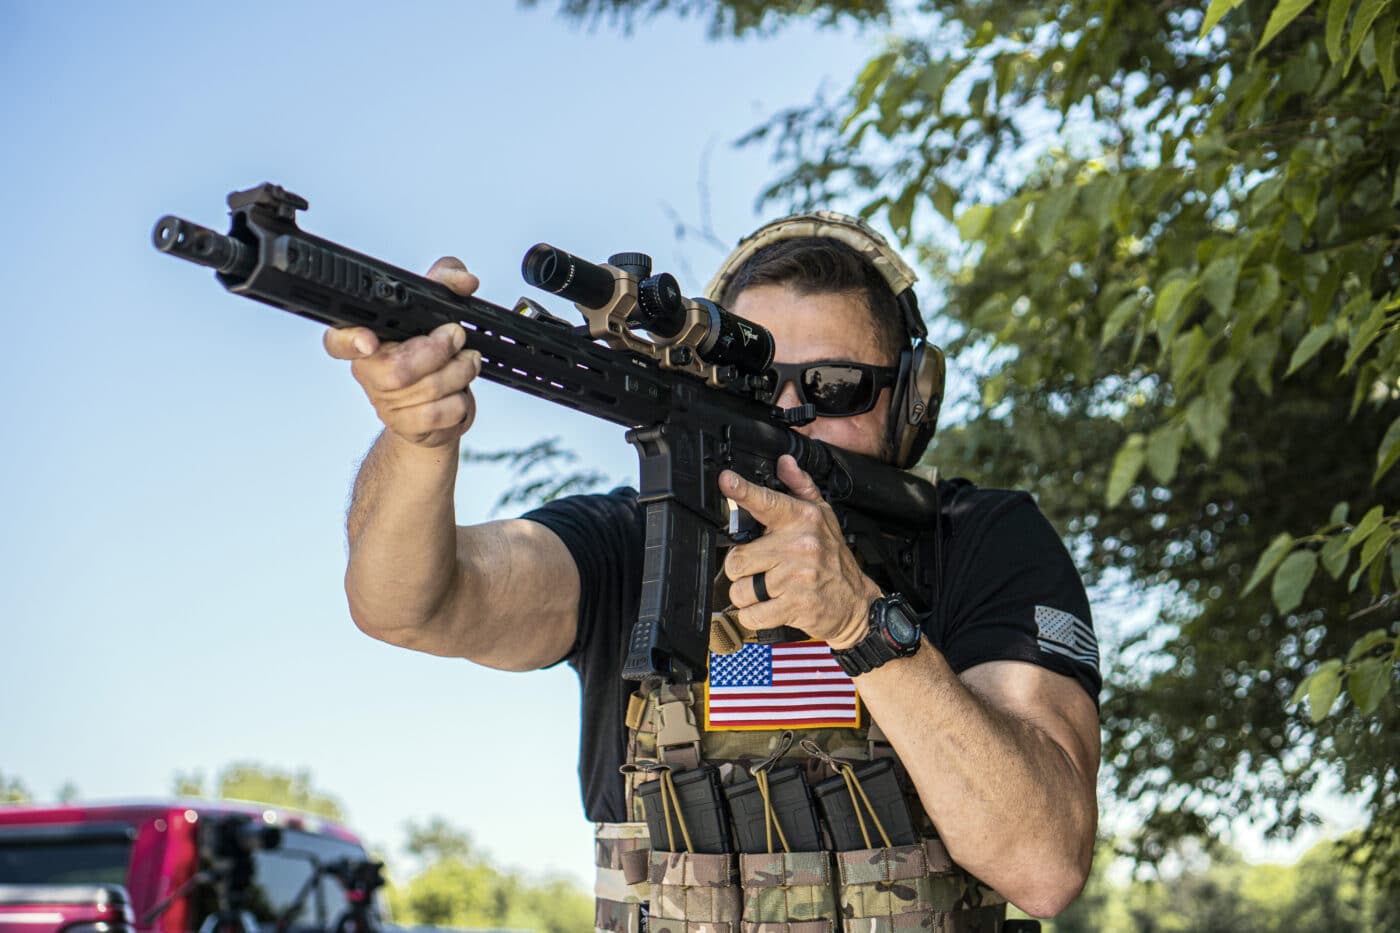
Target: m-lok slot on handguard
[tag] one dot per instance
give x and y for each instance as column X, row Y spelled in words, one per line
column 682, row 374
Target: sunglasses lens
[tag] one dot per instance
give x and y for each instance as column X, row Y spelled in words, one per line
column 837, row 390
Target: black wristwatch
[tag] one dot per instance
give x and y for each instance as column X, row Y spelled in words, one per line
column 894, row 633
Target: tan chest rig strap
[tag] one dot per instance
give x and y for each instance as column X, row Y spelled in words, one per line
column 871, row 890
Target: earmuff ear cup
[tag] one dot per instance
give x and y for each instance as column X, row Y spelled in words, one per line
column 917, row 398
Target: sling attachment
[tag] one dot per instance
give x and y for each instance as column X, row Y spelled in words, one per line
column 677, row 736
column 726, row 632
column 857, row 793
column 784, row 743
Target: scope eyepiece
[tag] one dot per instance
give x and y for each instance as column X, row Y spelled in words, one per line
column 582, row 282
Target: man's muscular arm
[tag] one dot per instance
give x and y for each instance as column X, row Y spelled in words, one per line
column 504, row 594
column 1005, row 758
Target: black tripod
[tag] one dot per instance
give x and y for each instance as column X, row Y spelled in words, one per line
column 229, row 845
column 360, row 879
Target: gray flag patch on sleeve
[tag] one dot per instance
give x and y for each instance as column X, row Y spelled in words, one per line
column 1065, row 634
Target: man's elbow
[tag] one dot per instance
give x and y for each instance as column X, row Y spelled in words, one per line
column 395, row 628
column 1049, row 892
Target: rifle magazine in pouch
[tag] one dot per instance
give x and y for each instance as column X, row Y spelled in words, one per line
column 693, row 892
column 787, row 892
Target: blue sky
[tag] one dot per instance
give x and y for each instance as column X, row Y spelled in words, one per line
column 177, row 460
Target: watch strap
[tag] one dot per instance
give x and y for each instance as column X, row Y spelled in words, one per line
column 878, row 646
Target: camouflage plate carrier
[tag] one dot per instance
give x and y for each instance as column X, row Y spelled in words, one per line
column 912, row 887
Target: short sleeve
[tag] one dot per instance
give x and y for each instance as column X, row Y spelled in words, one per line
column 604, row 534
column 1011, row 591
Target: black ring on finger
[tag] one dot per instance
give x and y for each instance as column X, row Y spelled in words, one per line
column 760, row 588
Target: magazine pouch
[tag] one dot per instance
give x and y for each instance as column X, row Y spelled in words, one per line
column 693, row 892
column 787, row 892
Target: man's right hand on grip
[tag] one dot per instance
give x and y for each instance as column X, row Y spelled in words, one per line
column 420, row 388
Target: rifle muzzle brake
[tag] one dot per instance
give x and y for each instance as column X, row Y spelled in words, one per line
column 201, row 245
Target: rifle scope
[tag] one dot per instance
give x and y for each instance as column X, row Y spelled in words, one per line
column 578, row 280
column 726, row 339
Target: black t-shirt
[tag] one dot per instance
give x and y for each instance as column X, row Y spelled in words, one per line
column 1009, row 592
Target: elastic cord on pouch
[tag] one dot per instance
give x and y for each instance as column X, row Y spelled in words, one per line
column 857, row 793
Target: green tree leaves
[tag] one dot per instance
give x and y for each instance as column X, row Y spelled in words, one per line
column 12, row 790
column 1175, row 274
column 1292, row 578
column 246, row 780
column 1368, row 674
column 1286, row 12
column 1389, row 450
column 1126, row 466
column 456, row 887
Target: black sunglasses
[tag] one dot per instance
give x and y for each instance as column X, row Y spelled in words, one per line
column 836, row 388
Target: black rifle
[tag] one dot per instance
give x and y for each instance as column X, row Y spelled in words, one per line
column 690, row 396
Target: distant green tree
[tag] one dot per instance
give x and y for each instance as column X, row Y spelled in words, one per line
column 1325, row 891
column 456, row 887
column 189, row 784
column 262, row 784
column 1179, row 292
column 12, row 790
column 437, row 841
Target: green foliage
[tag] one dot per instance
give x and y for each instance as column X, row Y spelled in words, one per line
column 437, row 841
column 1178, row 292
column 1324, row 892
column 731, row 18
column 458, row 888
column 542, row 471
column 12, row 790
column 261, row 784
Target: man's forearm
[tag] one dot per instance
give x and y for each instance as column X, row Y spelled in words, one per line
column 1008, row 801
column 402, row 535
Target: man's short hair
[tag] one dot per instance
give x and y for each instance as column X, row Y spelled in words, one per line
column 822, row 266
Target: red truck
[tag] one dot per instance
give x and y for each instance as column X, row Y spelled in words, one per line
column 176, row 866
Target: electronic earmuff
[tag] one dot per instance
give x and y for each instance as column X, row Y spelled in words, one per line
column 918, row 389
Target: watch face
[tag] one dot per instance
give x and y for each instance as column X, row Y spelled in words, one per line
column 901, row 627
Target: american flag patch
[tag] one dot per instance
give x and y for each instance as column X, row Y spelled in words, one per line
column 795, row 683
column 1066, row 635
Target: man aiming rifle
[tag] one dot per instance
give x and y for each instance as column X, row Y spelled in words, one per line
column 987, row 703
